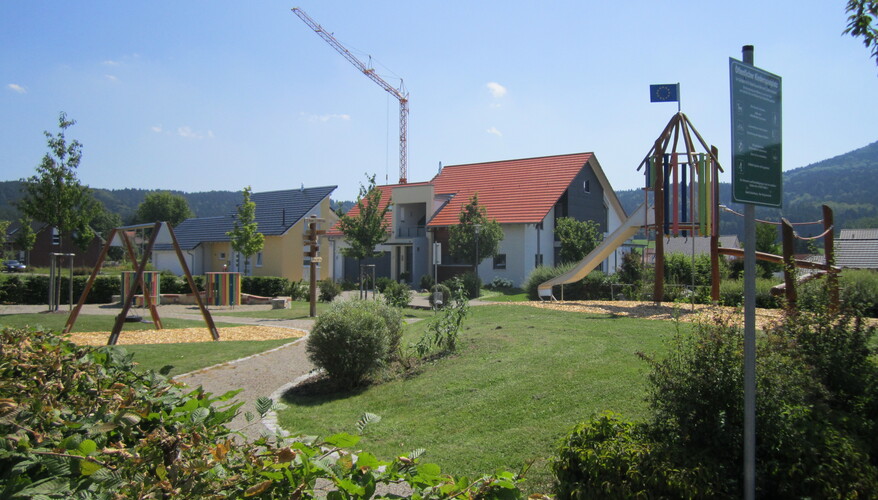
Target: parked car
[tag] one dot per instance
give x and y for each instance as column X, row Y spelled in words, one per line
column 13, row 266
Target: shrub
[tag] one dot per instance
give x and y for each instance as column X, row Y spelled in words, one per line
column 329, row 290
column 352, row 340
column 297, row 290
column 540, row 275
column 444, row 328
column 499, row 283
column 470, row 282
column 265, row 286
column 398, row 294
column 444, row 290
column 427, row 282
column 381, row 283
column 731, row 293
column 81, row 422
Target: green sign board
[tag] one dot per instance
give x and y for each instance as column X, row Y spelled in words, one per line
column 756, row 135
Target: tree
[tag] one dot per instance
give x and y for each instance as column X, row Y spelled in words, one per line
column 25, row 237
column 163, row 206
column 54, row 195
column 367, row 229
column 863, row 23
column 578, row 238
column 766, row 241
column 245, row 236
column 475, row 237
column 4, row 227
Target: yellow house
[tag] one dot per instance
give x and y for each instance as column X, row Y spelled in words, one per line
column 281, row 216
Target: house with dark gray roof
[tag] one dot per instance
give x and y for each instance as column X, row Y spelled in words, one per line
column 857, row 249
column 280, row 217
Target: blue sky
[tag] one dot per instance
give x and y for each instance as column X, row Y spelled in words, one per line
column 217, row 95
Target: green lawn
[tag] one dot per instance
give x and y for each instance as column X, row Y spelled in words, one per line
column 523, row 377
column 184, row 358
column 93, row 322
column 302, row 310
column 504, row 295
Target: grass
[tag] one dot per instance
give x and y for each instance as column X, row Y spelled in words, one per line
column 184, row 358
column 92, row 322
column 522, row 378
column 504, row 295
column 302, row 310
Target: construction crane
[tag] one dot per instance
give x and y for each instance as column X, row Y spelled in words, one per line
column 399, row 93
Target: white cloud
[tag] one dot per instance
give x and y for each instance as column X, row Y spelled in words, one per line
column 325, row 118
column 111, row 78
column 109, row 62
column 494, row 131
column 496, row 89
column 17, row 88
column 186, row 132
column 157, row 129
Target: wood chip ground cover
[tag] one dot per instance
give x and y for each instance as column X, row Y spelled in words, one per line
column 186, row 335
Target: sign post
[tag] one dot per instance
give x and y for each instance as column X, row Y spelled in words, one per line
column 756, row 180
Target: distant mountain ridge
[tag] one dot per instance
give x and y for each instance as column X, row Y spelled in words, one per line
column 845, row 182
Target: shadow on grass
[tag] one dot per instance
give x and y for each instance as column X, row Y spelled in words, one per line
column 317, row 390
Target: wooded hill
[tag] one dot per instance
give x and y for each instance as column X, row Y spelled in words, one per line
column 843, row 182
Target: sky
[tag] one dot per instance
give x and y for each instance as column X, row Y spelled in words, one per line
column 200, row 95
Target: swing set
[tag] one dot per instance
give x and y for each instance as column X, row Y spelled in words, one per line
column 126, row 234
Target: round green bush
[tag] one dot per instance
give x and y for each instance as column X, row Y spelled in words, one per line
column 446, row 294
column 471, row 283
column 329, row 290
column 354, row 339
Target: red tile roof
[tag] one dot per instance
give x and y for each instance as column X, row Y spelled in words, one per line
column 512, row 191
column 386, row 192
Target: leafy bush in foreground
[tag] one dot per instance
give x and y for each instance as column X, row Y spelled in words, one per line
column 815, row 417
column 79, row 422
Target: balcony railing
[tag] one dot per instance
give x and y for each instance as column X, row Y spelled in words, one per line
column 411, row 232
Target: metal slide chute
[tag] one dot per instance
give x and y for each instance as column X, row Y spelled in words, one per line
column 643, row 215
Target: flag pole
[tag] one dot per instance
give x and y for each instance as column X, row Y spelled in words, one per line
column 679, row 99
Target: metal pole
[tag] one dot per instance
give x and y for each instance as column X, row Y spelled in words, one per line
column 749, row 336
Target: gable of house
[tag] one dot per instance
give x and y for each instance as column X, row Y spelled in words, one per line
column 857, row 249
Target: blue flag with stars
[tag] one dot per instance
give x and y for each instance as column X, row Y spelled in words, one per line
column 667, row 92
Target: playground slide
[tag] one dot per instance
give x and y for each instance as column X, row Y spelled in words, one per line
column 628, row 228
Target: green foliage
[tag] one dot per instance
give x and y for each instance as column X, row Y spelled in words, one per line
column 353, row 340
column 34, row 289
column 245, row 236
column 499, row 283
column 863, row 23
column 427, row 282
column 540, row 275
column 731, row 293
column 474, row 235
column 578, row 238
column 80, row 422
column 25, row 237
column 162, row 206
column 443, row 329
column 265, row 286
column 381, row 283
column 329, row 290
column 54, row 195
column 444, row 290
column 469, row 282
column 297, row 290
column 815, row 415
column 397, row 294
column 631, row 270
column 858, row 291
column 368, row 229
column 610, row 457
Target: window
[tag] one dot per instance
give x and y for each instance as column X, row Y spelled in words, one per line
column 538, row 260
column 222, row 256
column 500, row 261
column 259, row 259
column 586, row 186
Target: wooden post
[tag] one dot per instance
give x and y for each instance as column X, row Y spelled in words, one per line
column 204, row 312
column 714, row 234
column 789, row 266
column 71, row 320
column 138, row 280
column 313, row 247
column 659, row 285
column 829, row 254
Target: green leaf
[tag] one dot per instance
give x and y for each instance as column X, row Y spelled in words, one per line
column 264, row 405
column 87, row 468
column 343, row 440
column 87, row 447
column 71, row 442
column 366, row 419
column 429, row 470
column 199, row 415
column 367, row 460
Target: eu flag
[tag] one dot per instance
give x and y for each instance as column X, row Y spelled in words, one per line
column 667, row 92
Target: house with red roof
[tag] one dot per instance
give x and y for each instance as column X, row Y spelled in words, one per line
column 526, row 196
